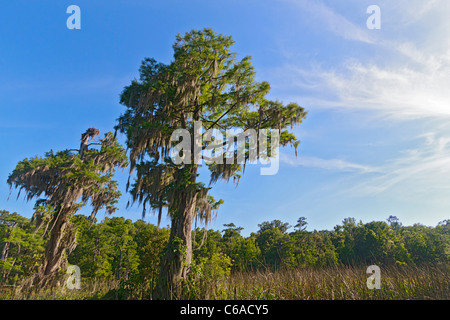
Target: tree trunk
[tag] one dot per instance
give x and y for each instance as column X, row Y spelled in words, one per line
column 177, row 258
column 5, row 251
column 119, row 268
column 7, row 245
column 54, row 251
column 6, row 275
column 61, row 243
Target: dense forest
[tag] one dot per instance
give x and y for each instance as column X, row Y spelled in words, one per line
column 120, row 249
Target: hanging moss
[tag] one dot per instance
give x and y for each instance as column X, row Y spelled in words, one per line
column 66, row 181
column 204, row 82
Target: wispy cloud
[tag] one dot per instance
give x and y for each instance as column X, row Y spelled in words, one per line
column 332, row 21
column 326, row 164
column 406, row 75
column 402, row 91
column 421, row 170
column 424, row 169
column 399, row 91
column 407, row 12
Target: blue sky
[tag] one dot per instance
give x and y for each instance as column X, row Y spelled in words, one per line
column 376, row 141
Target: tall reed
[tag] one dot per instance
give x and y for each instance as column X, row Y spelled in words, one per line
column 303, row 283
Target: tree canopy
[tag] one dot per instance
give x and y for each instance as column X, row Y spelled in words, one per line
column 204, row 83
column 63, row 182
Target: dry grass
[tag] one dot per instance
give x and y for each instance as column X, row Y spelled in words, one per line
column 90, row 289
column 333, row 283
column 336, row 283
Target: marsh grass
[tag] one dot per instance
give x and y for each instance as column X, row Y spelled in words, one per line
column 90, row 289
column 334, row 283
column 340, row 283
column 331, row 283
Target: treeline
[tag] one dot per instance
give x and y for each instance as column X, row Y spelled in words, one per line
column 117, row 248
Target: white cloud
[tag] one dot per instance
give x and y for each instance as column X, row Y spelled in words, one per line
column 416, row 172
column 407, row 12
column 425, row 169
column 334, row 22
column 399, row 91
column 417, row 87
column 407, row 74
column 326, row 164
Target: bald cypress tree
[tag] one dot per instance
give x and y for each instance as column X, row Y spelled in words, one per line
column 205, row 82
column 63, row 182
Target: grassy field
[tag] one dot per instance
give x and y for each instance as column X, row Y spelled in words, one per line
column 342, row 283
column 334, row 283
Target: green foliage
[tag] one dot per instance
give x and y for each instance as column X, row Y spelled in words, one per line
column 301, row 224
column 314, row 249
column 275, row 224
column 116, row 249
column 22, row 248
column 206, row 273
column 274, row 247
column 204, row 82
column 67, row 178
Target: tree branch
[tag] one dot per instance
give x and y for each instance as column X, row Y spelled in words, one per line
column 223, row 115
